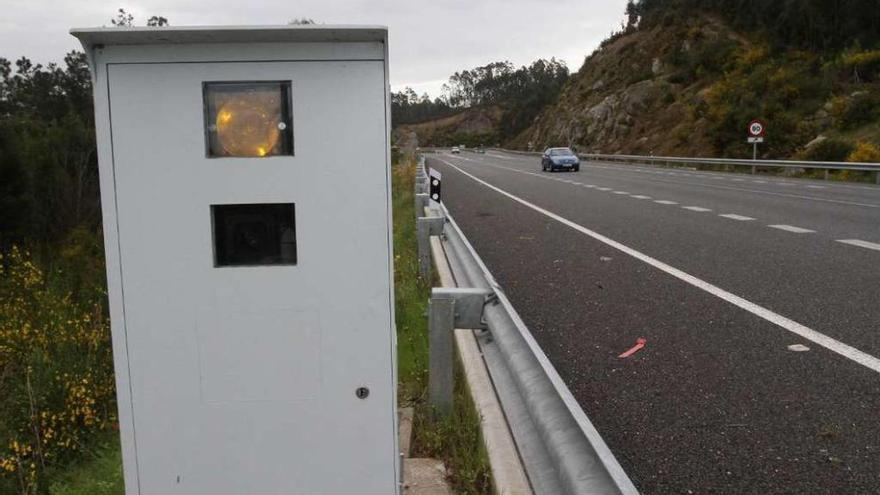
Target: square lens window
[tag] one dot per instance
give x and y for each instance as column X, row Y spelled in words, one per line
column 248, row 119
column 254, row 234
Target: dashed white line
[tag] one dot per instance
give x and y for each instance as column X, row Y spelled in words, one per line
column 698, row 209
column 621, row 192
column 792, row 326
column 642, row 197
column 862, row 244
column 666, row 202
column 604, row 188
column 738, row 218
column 792, row 229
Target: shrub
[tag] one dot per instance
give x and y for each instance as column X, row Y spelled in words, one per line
column 56, row 385
column 857, row 111
column 829, row 150
column 864, row 65
column 865, row 152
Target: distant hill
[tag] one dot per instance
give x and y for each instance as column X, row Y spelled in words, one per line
column 471, row 127
column 684, row 82
column 685, row 77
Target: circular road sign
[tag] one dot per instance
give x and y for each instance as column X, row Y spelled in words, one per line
column 757, row 128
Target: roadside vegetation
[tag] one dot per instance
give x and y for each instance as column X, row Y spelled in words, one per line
column 455, row 439
column 511, row 96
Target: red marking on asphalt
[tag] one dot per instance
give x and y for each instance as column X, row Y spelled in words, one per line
column 640, row 344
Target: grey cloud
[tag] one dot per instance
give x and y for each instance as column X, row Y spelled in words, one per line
column 429, row 39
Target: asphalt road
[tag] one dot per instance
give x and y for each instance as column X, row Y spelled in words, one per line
column 720, row 273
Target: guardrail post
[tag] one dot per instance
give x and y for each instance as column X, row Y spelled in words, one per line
column 877, row 177
column 421, row 200
column 425, row 228
column 448, row 309
column 441, row 319
column 827, row 173
column 754, row 169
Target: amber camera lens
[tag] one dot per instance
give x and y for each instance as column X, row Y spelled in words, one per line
column 247, row 120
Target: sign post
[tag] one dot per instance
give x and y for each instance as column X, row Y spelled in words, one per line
column 757, row 131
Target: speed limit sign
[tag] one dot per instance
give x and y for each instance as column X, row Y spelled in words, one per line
column 757, row 129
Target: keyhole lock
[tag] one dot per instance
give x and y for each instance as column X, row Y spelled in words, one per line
column 362, row 393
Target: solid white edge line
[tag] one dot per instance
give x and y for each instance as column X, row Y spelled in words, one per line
column 860, row 243
column 792, row 326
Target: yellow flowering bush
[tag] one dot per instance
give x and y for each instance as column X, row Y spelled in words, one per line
column 865, row 152
column 57, row 390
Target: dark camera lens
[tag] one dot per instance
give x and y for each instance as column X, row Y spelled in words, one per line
column 254, row 234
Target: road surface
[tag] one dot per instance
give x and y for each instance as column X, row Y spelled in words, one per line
column 729, row 278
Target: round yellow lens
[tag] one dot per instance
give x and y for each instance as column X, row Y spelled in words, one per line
column 247, row 125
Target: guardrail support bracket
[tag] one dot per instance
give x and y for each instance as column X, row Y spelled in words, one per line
column 448, row 309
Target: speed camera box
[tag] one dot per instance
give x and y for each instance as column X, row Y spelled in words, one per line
column 251, row 307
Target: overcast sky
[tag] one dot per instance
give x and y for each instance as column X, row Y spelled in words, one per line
column 429, row 39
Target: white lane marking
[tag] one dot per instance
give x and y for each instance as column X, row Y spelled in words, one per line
column 642, row 197
column 604, row 188
column 618, row 167
column 739, row 218
column 621, row 192
column 759, row 181
column 698, row 209
column 792, row 229
column 792, row 326
column 816, row 187
column 798, row 348
column 860, row 243
column 666, row 202
column 756, row 191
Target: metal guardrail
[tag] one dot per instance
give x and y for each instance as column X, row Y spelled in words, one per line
column 561, row 449
column 754, row 164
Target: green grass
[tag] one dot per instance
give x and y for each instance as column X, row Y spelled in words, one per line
column 100, row 474
column 411, row 291
column 455, row 439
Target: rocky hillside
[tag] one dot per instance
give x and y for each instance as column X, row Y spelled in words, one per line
column 691, row 86
column 472, row 127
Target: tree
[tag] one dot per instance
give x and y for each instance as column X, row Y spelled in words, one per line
column 522, row 93
column 632, row 15
column 157, row 21
column 122, row 19
column 804, row 24
column 47, row 153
